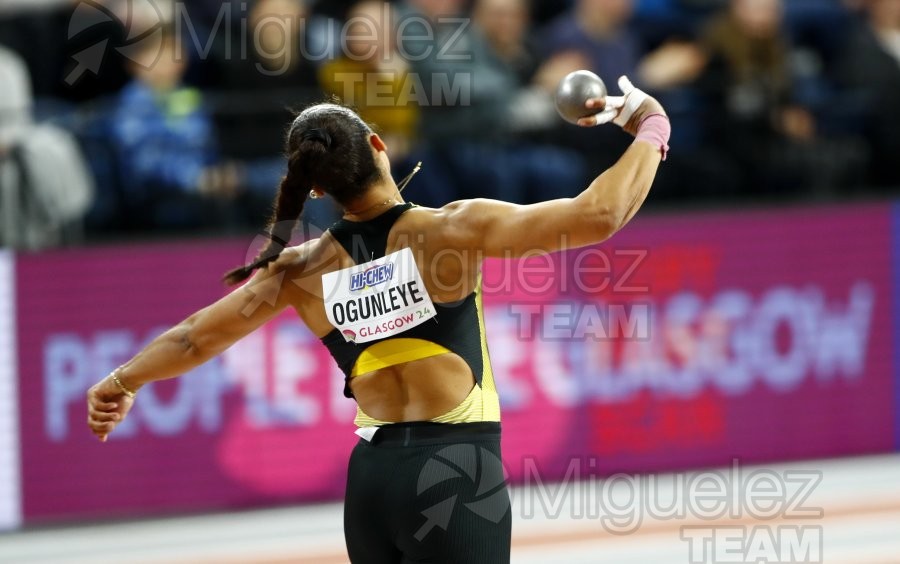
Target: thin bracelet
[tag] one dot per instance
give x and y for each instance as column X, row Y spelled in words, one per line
column 115, row 377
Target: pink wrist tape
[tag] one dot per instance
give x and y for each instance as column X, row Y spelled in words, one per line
column 655, row 129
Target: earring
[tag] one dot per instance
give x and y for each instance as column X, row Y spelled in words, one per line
column 313, row 195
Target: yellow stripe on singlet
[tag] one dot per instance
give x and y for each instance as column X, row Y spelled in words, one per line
column 393, row 352
column 490, row 398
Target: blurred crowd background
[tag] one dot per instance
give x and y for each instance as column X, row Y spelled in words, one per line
column 138, row 118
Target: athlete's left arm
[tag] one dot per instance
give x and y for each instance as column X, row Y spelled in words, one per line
column 197, row 339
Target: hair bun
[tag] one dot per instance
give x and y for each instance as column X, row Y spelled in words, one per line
column 317, row 134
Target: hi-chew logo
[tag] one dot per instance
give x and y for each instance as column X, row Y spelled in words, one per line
column 371, row 277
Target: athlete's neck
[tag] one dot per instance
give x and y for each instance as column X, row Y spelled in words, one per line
column 377, row 199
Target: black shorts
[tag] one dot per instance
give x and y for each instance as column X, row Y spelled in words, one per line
column 428, row 493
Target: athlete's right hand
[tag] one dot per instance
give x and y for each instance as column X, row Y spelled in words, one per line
column 626, row 111
column 107, row 407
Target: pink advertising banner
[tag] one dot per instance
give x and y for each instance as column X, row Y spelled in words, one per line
column 685, row 341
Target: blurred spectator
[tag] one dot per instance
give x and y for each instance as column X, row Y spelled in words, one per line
column 45, row 188
column 751, row 113
column 15, row 98
column 276, row 49
column 540, row 169
column 172, row 174
column 371, row 76
column 505, row 24
column 261, row 76
column 462, row 94
column 749, row 56
column 747, row 91
column 599, row 29
column 529, row 103
column 871, row 70
column 461, row 99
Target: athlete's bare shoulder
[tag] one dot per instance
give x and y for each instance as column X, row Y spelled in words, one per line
column 456, row 225
column 420, row 215
column 436, row 223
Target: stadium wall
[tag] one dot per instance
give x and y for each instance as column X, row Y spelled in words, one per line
column 690, row 340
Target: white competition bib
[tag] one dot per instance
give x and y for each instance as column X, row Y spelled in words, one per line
column 377, row 299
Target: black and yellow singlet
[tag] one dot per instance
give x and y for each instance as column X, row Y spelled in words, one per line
column 457, row 327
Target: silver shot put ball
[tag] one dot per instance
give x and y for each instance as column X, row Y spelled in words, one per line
column 574, row 91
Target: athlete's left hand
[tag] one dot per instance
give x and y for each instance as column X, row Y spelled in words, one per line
column 107, row 407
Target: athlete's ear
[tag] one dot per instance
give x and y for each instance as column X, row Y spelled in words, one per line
column 378, row 143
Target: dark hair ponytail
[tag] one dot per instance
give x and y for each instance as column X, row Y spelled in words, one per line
column 289, row 201
column 292, row 194
column 328, row 148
